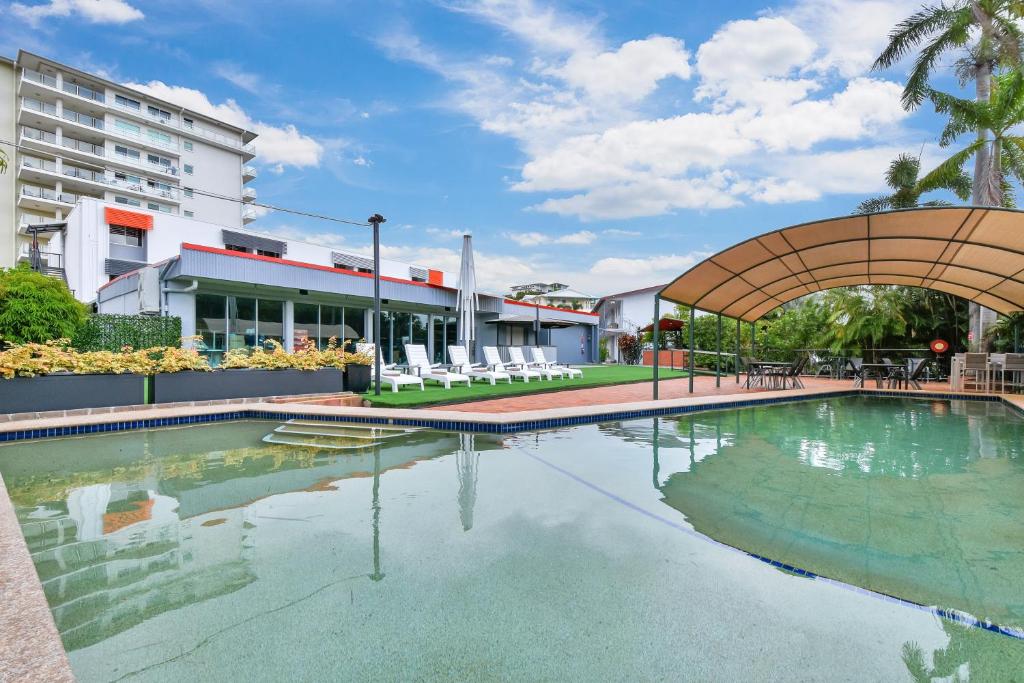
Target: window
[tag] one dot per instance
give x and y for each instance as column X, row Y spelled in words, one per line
column 235, row 247
column 269, row 321
column 187, row 122
column 188, row 192
column 190, row 214
column 127, row 128
column 241, row 322
column 188, row 145
column 126, row 152
column 127, row 102
column 160, row 113
column 189, row 169
column 128, row 237
column 306, row 319
column 153, row 206
column 264, row 252
column 210, row 320
column 128, row 201
column 158, row 160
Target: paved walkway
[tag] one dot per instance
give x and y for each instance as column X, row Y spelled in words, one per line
column 628, row 393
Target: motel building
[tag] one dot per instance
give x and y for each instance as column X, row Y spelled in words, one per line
column 239, row 288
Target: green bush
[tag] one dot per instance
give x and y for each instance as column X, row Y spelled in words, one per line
column 36, row 308
column 108, row 332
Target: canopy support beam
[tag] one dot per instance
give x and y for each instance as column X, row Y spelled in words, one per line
column 736, row 359
column 654, row 333
column 718, row 354
column 690, row 355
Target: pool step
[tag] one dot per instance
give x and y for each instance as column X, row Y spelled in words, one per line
column 334, row 435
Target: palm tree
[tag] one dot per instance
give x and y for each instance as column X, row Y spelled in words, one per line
column 1000, row 115
column 3, row 162
column 902, row 177
column 938, row 29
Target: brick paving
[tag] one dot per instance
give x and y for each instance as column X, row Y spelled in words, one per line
column 627, row 393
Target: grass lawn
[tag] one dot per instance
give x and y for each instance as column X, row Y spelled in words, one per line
column 436, row 394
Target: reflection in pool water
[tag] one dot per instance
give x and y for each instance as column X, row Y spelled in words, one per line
column 206, row 552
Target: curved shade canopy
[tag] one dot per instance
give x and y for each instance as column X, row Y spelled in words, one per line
column 973, row 253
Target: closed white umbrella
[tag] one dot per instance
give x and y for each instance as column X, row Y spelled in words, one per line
column 468, row 300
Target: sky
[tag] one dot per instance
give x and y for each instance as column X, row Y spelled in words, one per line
column 609, row 145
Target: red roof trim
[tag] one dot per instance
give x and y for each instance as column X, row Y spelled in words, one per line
column 550, row 308
column 303, row 264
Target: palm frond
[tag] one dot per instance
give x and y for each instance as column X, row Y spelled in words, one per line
column 874, row 205
column 949, row 170
column 955, row 36
column 911, row 32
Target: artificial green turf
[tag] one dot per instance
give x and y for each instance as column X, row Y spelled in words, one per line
column 434, row 393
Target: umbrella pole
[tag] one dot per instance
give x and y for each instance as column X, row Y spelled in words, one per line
column 654, row 351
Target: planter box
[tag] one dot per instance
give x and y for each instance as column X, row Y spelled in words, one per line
column 175, row 387
column 357, row 378
column 70, row 392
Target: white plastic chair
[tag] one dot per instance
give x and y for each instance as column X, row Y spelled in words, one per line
column 388, row 375
column 460, row 363
column 516, row 354
column 494, row 362
column 420, row 364
column 540, row 359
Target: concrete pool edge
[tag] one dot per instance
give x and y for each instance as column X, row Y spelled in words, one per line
column 31, row 647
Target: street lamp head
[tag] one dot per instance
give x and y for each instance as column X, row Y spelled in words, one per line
column 376, row 219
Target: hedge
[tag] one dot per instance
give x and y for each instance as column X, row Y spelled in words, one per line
column 109, row 332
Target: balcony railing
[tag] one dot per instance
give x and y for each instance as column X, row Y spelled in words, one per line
column 39, row 164
column 249, row 172
column 39, row 135
column 84, row 119
column 82, row 146
column 36, row 77
column 85, row 174
column 248, row 214
column 248, row 195
column 145, row 139
column 83, row 91
column 49, row 195
column 41, row 107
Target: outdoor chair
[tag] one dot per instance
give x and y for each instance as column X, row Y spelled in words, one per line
column 855, row 366
column 541, row 360
column 494, row 362
column 908, row 376
column 516, row 354
column 460, row 363
column 1013, row 365
column 976, row 366
column 420, row 364
column 755, row 374
column 778, row 376
column 389, row 375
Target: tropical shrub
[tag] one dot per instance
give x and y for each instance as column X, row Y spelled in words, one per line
column 307, row 357
column 104, row 331
column 631, row 347
column 36, row 308
column 31, row 359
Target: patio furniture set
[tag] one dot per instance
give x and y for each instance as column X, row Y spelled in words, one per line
column 982, row 371
column 463, row 370
column 774, row 375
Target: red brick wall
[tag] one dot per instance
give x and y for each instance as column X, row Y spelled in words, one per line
column 667, row 358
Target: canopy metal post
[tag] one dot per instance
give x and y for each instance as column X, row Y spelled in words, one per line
column 654, row 353
column 1016, row 337
column 690, row 359
column 753, row 340
column 736, row 358
column 718, row 353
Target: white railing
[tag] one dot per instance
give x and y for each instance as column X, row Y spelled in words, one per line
column 248, row 214
column 39, row 164
column 85, row 174
column 41, row 107
column 84, row 119
column 83, row 146
column 144, row 139
column 84, row 92
column 33, row 219
column 249, row 194
column 143, row 111
column 249, row 171
column 36, row 77
column 40, row 135
column 46, row 193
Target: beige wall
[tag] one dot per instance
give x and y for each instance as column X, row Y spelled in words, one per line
column 8, row 224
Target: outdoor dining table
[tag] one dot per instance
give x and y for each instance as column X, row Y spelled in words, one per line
column 879, row 370
column 761, row 366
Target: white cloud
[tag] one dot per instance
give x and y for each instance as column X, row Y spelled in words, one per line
column 283, row 145
column 616, row 232
column 238, row 77
column 93, row 11
column 631, row 73
column 444, row 233
column 535, row 239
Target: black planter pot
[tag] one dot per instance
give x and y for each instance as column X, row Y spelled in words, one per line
column 192, row 385
column 70, row 392
column 357, row 378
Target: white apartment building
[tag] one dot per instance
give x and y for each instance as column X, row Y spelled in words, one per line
column 82, row 136
column 622, row 313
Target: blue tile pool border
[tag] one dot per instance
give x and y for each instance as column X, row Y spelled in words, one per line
column 469, row 425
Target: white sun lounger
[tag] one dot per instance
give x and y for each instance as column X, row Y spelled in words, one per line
column 420, row 364
column 516, row 354
column 493, row 359
column 460, row 363
column 540, row 360
column 388, row 375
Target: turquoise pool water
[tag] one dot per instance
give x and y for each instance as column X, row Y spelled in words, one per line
column 260, row 551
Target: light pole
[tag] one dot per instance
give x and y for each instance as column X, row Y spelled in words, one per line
column 375, row 220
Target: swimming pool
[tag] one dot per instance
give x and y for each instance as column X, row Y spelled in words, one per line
column 265, row 551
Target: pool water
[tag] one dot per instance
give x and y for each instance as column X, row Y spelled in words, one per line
column 262, row 551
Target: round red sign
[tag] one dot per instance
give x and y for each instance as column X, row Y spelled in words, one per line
column 939, row 346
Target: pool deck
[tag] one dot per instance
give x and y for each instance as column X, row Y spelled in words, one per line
column 30, row 646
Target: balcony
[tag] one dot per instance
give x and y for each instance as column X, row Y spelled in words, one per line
column 141, row 139
column 30, row 133
column 37, row 106
column 248, row 173
column 44, row 197
column 82, row 119
column 248, row 214
column 84, row 92
column 85, row 174
column 248, row 195
column 39, row 164
column 83, row 146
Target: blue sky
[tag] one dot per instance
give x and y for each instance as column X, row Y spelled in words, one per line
column 603, row 144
